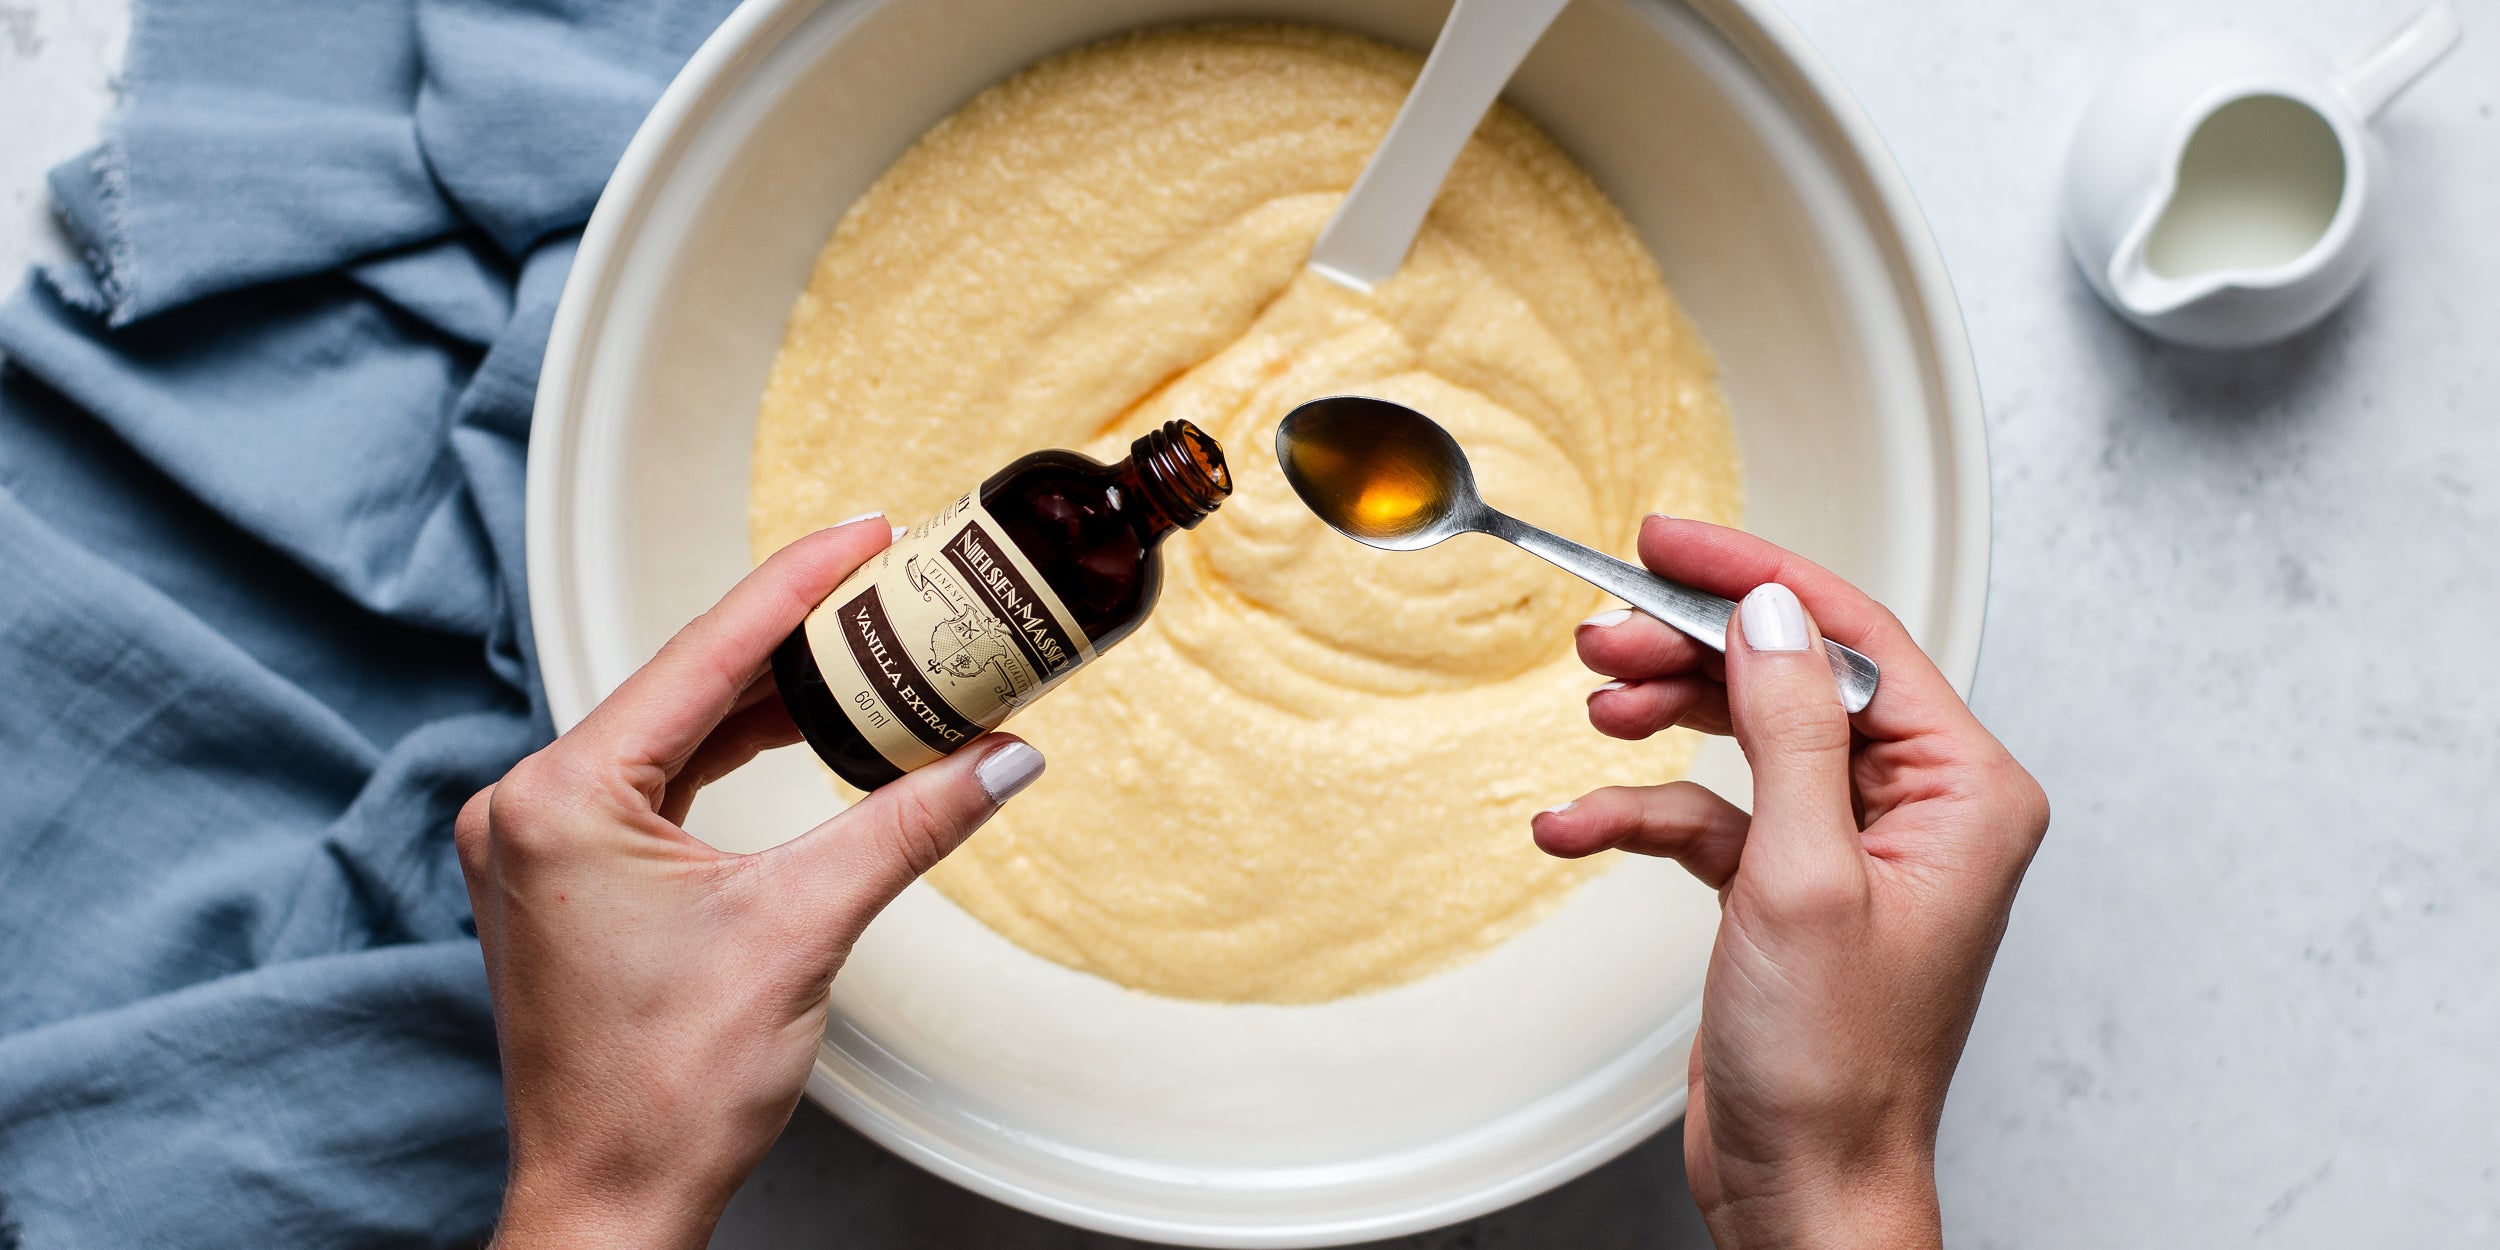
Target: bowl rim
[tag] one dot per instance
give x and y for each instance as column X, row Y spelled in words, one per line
column 1768, row 41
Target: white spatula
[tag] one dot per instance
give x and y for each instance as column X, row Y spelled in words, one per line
column 1480, row 46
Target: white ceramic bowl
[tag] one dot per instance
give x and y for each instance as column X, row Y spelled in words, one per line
column 1781, row 225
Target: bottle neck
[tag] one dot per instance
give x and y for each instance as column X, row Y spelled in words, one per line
column 1179, row 473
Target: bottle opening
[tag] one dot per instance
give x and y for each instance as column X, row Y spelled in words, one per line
column 1183, row 469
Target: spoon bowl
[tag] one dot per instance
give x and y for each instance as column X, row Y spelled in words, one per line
column 1390, row 477
column 1379, row 473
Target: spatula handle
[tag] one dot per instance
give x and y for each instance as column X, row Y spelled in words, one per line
column 1481, row 43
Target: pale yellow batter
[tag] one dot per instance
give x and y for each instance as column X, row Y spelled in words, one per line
column 1310, row 774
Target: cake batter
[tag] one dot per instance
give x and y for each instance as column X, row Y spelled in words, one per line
column 1310, row 773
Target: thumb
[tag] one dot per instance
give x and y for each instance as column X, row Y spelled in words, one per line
column 1785, row 709
column 848, row 868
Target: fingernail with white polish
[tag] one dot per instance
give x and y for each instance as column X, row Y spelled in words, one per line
column 854, row 520
column 1610, row 619
column 1612, row 685
column 1559, row 808
column 1007, row 770
column 1773, row 619
column 899, row 531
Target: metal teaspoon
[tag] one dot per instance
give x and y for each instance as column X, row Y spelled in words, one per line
column 1390, row 477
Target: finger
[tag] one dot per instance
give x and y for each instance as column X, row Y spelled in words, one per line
column 740, row 738
column 851, row 866
column 1684, row 822
column 1787, row 717
column 1635, row 710
column 1912, row 696
column 666, row 709
column 759, row 693
column 1632, row 645
column 760, row 690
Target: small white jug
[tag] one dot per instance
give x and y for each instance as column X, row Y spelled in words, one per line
column 2219, row 192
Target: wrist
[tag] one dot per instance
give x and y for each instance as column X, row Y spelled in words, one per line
column 552, row 1212
column 1867, row 1203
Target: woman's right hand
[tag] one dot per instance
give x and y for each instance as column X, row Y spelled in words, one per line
column 1861, row 901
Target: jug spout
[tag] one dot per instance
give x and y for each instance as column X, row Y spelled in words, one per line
column 2144, row 292
column 2375, row 78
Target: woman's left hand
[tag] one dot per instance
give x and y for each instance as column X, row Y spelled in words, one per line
column 658, row 1002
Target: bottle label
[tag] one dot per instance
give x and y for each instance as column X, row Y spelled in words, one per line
column 942, row 636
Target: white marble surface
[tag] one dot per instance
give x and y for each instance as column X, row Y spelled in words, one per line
column 57, row 61
column 2241, row 626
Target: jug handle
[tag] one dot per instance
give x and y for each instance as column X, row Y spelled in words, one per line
column 2378, row 76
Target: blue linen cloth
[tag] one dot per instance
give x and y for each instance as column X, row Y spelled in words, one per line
column 262, row 615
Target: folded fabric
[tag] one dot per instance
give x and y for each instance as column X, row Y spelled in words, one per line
column 262, row 614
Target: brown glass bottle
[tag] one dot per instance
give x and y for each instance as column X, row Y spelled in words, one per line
column 948, row 633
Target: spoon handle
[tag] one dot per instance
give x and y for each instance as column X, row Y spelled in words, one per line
column 1695, row 612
